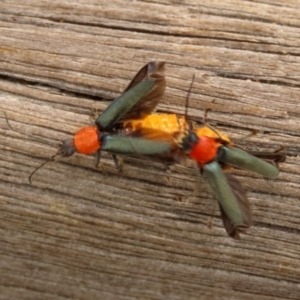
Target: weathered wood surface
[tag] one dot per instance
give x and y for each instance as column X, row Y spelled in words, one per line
column 80, row 233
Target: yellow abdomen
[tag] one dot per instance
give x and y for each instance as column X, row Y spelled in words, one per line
column 206, row 131
column 169, row 123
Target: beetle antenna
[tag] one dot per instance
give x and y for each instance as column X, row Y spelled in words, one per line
column 29, row 135
column 187, row 102
column 41, row 165
column 35, row 138
column 188, row 95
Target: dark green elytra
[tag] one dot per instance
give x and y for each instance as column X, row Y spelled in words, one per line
column 241, row 159
column 121, row 105
column 223, row 192
column 124, row 145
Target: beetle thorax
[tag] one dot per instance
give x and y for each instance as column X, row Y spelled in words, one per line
column 86, row 140
column 204, row 151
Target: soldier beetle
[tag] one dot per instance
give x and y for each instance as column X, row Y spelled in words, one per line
column 139, row 99
column 213, row 152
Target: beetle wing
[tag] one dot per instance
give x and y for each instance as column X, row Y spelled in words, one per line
column 244, row 206
column 239, row 158
column 125, row 145
column 232, row 199
column 273, row 158
column 175, row 155
column 146, row 105
column 139, row 98
column 153, row 134
column 153, row 69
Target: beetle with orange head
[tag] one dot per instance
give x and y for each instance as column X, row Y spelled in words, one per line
column 213, row 152
column 138, row 100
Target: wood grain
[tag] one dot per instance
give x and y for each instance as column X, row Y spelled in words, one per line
column 82, row 233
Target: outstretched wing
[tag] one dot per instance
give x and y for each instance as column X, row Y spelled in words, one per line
column 273, row 158
column 175, row 153
column 154, row 71
column 244, row 206
column 139, row 98
column 239, row 158
column 232, row 199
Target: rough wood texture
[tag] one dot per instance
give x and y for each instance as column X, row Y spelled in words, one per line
column 80, row 233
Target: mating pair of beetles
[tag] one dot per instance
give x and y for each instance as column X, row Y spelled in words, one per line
column 128, row 127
